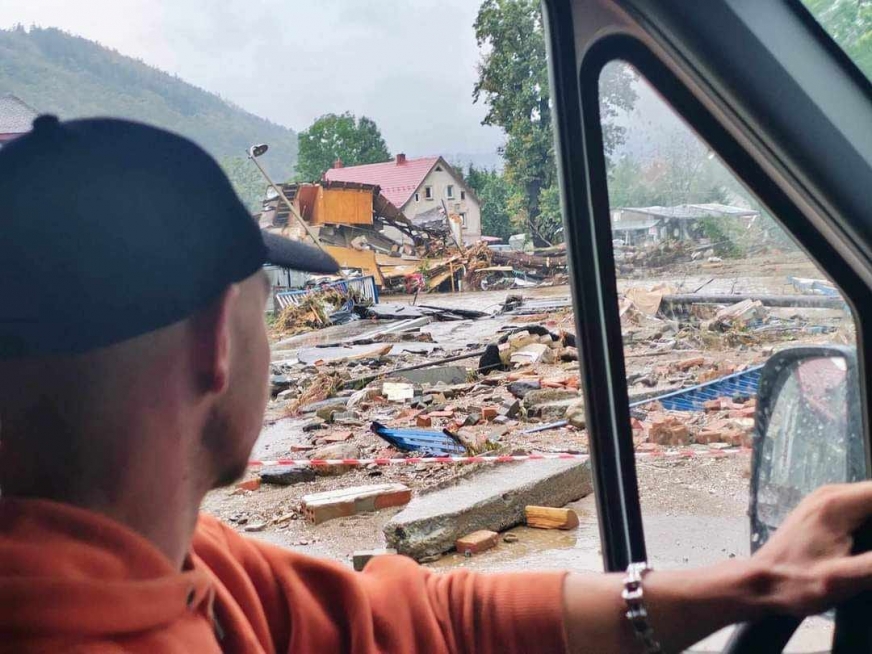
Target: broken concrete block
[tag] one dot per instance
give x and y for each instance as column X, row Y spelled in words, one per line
column 361, row 557
column 575, row 413
column 509, row 409
column 531, row 354
column 521, row 339
column 286, row 475
column 472, row 419
column 547, row 517
column 547, row 396
column 435, row 375
column 313, row 425
column 477, row 541
column 492, row 499
column 474, row 442
column 319, row 507
column 523, row 386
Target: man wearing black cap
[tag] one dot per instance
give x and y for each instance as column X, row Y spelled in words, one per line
column 133, row 379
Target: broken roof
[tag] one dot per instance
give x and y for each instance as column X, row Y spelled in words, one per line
column 16, row 116
column 398, row 180
column 690, row 211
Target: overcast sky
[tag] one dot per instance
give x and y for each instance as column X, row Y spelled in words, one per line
column 408, row 64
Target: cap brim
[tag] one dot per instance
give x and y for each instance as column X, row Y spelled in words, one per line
column 297, row 256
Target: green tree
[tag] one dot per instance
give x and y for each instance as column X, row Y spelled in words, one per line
column 331, row 137
column 495, row 193
column 247, row 181
column 849, row 22
column 513, row 83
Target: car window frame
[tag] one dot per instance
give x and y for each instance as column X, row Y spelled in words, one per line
column 613, row 35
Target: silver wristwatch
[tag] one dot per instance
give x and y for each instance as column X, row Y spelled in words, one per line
column 637, row 614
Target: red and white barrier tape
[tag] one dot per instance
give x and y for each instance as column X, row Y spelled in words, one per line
column 505, row 458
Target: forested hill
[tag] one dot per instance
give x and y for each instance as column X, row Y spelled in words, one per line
column 59, row 73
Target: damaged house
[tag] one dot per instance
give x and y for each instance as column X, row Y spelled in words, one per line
column 644, row 225
column 355, row 223
column 427, row 190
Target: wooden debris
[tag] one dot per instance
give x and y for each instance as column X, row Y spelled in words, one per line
column 546, row 517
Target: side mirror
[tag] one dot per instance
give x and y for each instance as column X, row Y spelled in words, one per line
column 807, row 432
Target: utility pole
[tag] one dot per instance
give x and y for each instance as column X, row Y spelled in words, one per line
column 253, row 153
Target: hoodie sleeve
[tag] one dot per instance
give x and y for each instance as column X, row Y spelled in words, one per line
column 296, row 603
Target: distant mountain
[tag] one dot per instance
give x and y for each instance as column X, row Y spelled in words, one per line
column 72, row 77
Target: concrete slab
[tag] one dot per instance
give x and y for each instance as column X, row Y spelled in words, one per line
column 493, row 499
column 444, row 374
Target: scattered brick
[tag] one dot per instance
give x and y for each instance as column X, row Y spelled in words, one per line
column 249, row 484
column 693, row 362
column 319, row 507
column 423, row 421
column 477, row 541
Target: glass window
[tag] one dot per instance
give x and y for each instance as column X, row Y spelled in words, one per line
column 463, row 195
column 710, row 287
column 449, row 191
column 428, row 192
column 849, row 23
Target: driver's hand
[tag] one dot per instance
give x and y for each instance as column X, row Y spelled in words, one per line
column 808, row 559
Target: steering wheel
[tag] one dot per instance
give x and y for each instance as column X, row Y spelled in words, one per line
column 853, row 631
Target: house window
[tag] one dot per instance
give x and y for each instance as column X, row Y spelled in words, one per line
column 428, row 192
column 463, row 221
column 462, row 195
column 449, row 191
column 417, row 197
column 438, row 169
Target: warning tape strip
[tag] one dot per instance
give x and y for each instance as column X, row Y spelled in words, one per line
column 503, row 458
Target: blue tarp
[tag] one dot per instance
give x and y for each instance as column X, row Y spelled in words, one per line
column 428, row 441
column 740, row 384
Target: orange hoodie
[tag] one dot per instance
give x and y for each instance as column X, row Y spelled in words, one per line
column 72, row 580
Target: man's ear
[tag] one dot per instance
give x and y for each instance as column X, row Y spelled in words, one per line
column 212, row 341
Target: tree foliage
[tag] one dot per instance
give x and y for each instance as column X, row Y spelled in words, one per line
column 55, row 72
column 849, row 22
column 331, row 137
column 247, row 181
column 513, row 83
column 495, row 193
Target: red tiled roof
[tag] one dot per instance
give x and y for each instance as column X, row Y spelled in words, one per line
column 397, row 182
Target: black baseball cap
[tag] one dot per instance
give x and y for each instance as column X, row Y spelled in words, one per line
column 110, row 229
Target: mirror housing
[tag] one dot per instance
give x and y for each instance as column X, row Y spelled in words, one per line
column 807, row 431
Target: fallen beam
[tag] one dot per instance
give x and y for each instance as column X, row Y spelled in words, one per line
column 796, row 301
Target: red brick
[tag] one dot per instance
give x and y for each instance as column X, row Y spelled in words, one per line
column 489, row 412
column 477, row 541
column 249, row 484
column 423, row 421
column 693, row 362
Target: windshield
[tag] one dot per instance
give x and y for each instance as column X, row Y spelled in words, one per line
column 849, row 23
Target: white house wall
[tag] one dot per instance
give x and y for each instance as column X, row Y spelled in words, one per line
column 439, row 181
